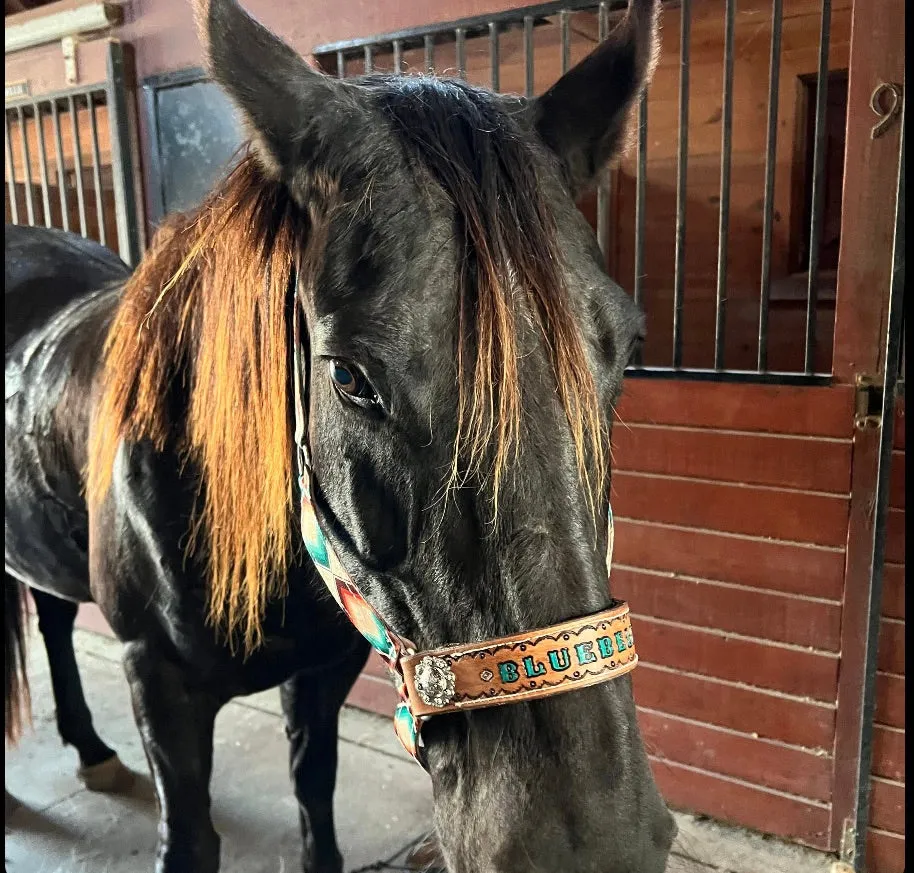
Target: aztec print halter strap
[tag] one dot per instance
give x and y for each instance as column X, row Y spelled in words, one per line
column 525, row 666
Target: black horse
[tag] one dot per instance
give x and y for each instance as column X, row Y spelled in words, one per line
column 462, row 340
column 46, row 271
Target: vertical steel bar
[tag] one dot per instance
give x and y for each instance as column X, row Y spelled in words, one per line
column 27, row 167
column 774, row 80
column 124, row 155
column 603, row 20
column 494, row 57
column 398, row 57
column 97, row 172
column 369, row 60
column 429, row 42
column 78, row 166
column 340, row 65
column 685, row 10
column 723, row 228
column 901, row 358
column 603, row 220
column 640, row 194
column 818, row 189
column 61, row 170
column 528, row 55
column 461, row 47
column 604, row 190
column 893, row 337
column 10, row 169
column 43, row 166
column 565, row 27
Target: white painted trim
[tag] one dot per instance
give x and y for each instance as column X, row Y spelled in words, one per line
column 57, row 25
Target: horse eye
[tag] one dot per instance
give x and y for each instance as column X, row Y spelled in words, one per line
column 349, row 380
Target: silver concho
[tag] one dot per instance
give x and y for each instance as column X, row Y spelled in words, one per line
column 435, row 681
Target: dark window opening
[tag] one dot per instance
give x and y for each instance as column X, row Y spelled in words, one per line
column 11, row 7
column 833, row 144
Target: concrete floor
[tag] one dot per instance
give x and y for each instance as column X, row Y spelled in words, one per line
column 62, row 828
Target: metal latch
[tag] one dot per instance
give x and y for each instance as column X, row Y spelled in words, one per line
column 868, row 403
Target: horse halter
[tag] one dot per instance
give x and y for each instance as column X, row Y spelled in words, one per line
column 525, row 666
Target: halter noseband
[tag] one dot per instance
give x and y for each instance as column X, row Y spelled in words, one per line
column 525, row 666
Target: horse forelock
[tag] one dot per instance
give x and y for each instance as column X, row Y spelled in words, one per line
column 511, row 270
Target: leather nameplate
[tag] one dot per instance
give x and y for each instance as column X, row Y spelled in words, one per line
column 574, row 654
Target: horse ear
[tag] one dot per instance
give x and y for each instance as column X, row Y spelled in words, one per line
column 584, row 116
column 282, row 99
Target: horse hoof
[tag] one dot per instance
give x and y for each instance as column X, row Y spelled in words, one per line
column 110, row 777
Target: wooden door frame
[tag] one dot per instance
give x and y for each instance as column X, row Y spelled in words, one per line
column 877, row 55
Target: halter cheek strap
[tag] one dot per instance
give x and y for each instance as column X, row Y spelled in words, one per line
column 526, row 666
column 391, row 647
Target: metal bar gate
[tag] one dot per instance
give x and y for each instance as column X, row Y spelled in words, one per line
column 416, row 49
column 77, row 142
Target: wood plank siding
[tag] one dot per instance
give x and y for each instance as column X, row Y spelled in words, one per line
column 734, row 567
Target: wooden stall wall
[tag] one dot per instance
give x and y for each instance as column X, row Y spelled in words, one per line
column 731, row 509
column 732, row 505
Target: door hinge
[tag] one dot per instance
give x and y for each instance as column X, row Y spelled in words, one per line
column 71, row 71
column 847, row 851
column 868, row 403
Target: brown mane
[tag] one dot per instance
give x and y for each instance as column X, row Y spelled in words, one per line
column 208, row 305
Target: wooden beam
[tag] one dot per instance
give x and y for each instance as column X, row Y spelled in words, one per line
column 870, row 174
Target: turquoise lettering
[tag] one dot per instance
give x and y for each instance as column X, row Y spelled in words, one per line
column 621, row 645
column 533, row 668
column 605, row 645
column 508, row 671
column 559, row 659
column 584, row 653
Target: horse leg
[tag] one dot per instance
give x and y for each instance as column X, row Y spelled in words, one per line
column 100, row 768
column 311, row 705
column 176, row 722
